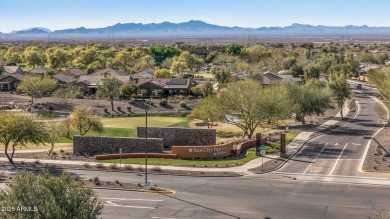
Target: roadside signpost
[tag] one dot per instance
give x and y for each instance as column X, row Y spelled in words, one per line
column 260, row 151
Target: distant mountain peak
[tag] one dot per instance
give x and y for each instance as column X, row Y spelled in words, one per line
column 33, row 30
column 201, row 28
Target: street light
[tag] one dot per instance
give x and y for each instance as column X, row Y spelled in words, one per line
column 146, row 141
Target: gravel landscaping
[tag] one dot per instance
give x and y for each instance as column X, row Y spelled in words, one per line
column 377, row 159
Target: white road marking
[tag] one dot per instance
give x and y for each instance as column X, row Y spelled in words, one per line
column 335, row 164
column 336, row 144
column 130, row 199
column 110, row 203
column 356, row 144
column 308, row 167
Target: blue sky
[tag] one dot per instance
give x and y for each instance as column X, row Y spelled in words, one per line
column 61, row 14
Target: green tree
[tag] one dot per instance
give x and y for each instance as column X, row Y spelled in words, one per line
column 18, row 129
column 109, row 89
column 67, row 94
column 162, row 73
column 35, row 86
column 339, row 87
column 160, row 53
column 308, row 99
column 234, row 49
column 207, row 89
column 128, row 89
column 178, row 66
column 81, row 122
column 252, row 105
column 49, row 197
column 207, row 111
column 57, row 57
column 33, row 56
column 13, row 55
column 54, row 130
column 122, row 61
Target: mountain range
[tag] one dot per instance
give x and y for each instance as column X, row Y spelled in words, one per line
column 200, row 28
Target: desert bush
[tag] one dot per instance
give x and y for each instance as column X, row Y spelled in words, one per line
column 100, row 166
column 163, row 103
column 183, row 104
column 77, row 201
column 86, row 165
column 114, row 166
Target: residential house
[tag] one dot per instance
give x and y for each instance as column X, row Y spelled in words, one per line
column 41, row 71
column 9, row 82
column 73, row 72
column 64, row 80
column 12, row 70
column 109, row 71
column 269, row 78
column 147, row 73
column 165, row 86
column 89, row 83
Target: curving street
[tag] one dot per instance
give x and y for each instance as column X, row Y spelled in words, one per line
column 321, row 181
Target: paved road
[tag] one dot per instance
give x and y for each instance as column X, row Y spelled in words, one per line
column 340, row 152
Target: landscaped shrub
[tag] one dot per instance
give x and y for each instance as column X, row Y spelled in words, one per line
column 163, row 103
column 100, row 166
column 114, row 166
column 129, row 109
column 183, row 103
column 129, row 167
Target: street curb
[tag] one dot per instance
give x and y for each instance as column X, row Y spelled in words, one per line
column 167, row 191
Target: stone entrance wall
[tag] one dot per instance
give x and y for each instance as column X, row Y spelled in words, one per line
column 180, row 136
column 92, row 145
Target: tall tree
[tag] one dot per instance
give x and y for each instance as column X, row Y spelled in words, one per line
column 49, row 197
column 109, row 89
column 13, row 55
column 247, row 105
column 67, row 94
column 36, row 86
column 308, row 99
column 127, row 90
column 19, row 129
column 340, row 90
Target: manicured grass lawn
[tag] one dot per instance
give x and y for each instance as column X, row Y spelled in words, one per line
column 153, row 121
column 173, row 162
column 109, row 132
column 127, row 126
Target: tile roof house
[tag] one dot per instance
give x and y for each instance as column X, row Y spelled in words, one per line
column 147, row 73
column 166, row 86
column 12, row 70
column 64, row 79
column 73, row 72
column 269, row 78
column 90, row 83
column 41, row 71
column 9, row 82
column 109, row 71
